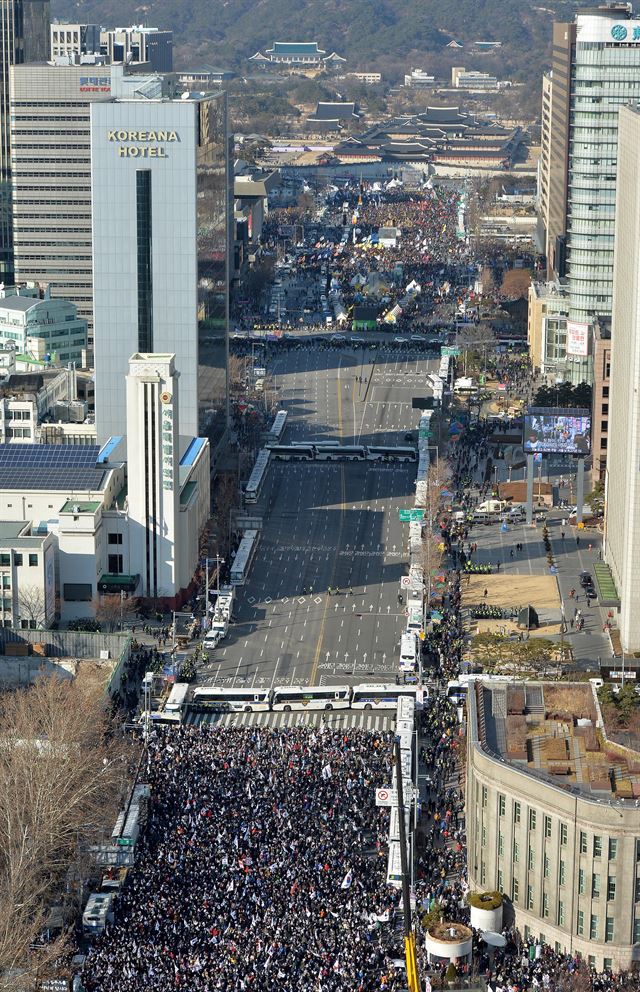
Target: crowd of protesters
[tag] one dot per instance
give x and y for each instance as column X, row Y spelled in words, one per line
column 263, row 866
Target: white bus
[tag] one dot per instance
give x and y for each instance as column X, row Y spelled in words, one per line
column 340, row 452
column 386, row 453
column 292, row 452
column 217, row 699
column 383, row 697
column 277, row 428
column 177, row 696
column 256, row 479
column 311, row 697
column 244, row 557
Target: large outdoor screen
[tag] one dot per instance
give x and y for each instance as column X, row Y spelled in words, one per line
column 549, row 431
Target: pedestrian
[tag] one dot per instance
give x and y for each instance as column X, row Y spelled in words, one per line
column 486, row 593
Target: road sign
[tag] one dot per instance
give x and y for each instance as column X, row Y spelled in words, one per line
column 449, row 352
column 405, row 582
column 406, row 516
column 424, row 434
column 386, row 796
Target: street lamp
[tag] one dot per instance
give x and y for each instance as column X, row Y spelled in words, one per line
column 219, row 561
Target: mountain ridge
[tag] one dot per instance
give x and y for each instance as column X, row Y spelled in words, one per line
column 227, row 33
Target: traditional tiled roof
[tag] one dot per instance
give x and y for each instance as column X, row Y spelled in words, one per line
column 296, row 48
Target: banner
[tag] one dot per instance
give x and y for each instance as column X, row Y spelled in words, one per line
column 577, row 339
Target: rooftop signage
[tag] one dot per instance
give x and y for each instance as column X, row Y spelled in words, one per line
column 153, row 145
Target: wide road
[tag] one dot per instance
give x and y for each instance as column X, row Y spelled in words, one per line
column 329, row 525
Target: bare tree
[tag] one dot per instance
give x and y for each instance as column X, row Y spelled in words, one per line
column 112, row 610
column 61, row 781
column 32, row 605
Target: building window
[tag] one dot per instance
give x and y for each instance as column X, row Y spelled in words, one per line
column 637, row 841
column 501, row 805
column 591, row 961
column 611, row 888
column 580, row 924
column 144, row 260
column 546, row 867
column 595, row 886
column 516, row 853
column 583, row 842
column 608, row 930
column 560, row 913
column 532, row 819
column 636, row 930
column 597, row 847
column 545, row 906
column 581, row 881
column 33, row 560
column 484, row 797
column 500, row 881
column 483, row 874
column 561, row 873
column 638, row 889
column 484, row 836
column 115, row 539
column 547, row 826
column 515, row 889
column 5, row 559
column 516, row 810
column 532, row 859
column 613, row 848
column 17, row 558
column 115, row 568
column 607, row 964
column 529, row 897
column 500, row 845
column 593, row 927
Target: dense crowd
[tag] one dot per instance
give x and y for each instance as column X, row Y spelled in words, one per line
column 263, row 867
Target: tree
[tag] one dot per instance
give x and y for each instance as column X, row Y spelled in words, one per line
column 112, row 610
column 595, row 499
column 563, row 394
column 62, row 776
column 516, row 284
column 32, row 606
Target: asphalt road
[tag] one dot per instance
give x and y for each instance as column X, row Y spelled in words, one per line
column 328, row 524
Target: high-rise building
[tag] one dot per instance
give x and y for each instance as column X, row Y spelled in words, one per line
column 139, row 44
column 622, row 532
column 133, row 44
column 51, row 175
column 556, row 93
column 74, row 39
column 162, row 191
column 596, row 70
column 24, row 37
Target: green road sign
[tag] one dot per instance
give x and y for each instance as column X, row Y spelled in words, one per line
column 424, row 433
column 406, row 516
column 446, row 351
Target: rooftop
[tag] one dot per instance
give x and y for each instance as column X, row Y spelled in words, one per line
column 12, row 528
column 21, row 303
column 551, row 730
column 51, row 467
column 80, row 506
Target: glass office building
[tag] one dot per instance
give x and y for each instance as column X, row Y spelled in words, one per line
column 24, row 37
column 605, row 75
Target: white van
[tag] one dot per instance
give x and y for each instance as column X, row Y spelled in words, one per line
column 408, row 652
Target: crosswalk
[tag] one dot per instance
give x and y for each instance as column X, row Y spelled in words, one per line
column 342, row 719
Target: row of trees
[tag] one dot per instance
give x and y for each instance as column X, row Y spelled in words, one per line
column 63, row 774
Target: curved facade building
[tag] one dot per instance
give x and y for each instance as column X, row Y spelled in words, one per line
column 552, row 820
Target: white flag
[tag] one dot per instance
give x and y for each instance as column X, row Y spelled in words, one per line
column 347, row 880
column 326, row 772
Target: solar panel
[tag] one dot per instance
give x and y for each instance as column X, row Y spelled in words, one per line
column 50, row 467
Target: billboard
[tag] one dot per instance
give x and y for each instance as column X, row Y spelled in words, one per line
column 548, row 430
column 577, row 339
